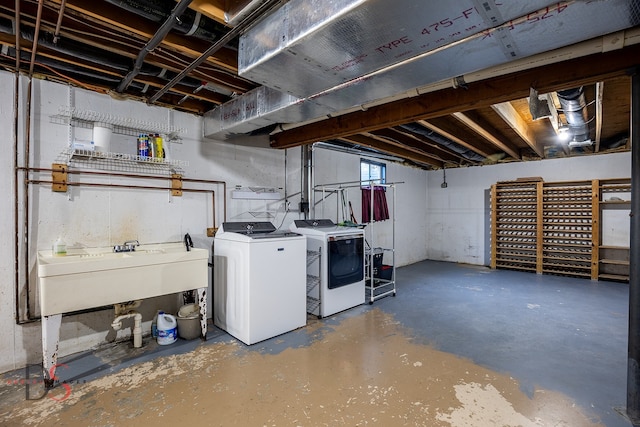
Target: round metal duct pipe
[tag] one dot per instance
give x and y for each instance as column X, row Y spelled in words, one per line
column 574, row 107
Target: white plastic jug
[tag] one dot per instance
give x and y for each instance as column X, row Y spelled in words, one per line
column 167, row 329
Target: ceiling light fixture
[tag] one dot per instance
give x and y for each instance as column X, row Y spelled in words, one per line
column 564, row 134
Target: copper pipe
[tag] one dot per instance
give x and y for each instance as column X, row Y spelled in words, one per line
column 224, row 189
column 17, row 37
column 129, row 186
column 131, row 175
column 31, row 319
column 27, row 182
column 213, row 206
column 36, row 34
column 56, row 34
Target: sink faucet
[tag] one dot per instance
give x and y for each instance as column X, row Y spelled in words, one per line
column 128, row 246
column 188, row 243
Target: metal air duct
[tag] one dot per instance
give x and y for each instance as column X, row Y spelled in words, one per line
column 256, row 109
column 574, row 107
column 328, row 55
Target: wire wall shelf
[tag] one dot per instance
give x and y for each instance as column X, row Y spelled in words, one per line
column 121, row 125
column 119, row 162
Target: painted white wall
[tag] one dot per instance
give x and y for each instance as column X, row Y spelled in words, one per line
column 91, row 217
column 457, row 216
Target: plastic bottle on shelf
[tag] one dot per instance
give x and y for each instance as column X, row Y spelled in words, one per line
column 143, row 145
column 159, row 146
column 152, row 147
column 59, row 247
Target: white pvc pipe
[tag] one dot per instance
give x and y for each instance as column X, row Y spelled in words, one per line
column 137, row 326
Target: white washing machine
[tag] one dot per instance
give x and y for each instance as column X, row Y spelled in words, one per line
column 259, row 288
column 340, row 265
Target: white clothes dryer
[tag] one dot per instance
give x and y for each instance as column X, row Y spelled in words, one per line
column 340, row 265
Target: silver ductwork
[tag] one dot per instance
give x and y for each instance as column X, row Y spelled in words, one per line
column 335, row 56
column 258, row 108
column 332, row 43
column 574, row 107
column 233, row 16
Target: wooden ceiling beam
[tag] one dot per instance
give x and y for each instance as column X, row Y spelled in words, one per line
column 203, row 95
column 415, row 144
column 391, row 149
column 519, row 125
column 103, row 39
column 75, row 61
column 214, row 9
column 548, row 78
column 489, row 135
column 447, row 134
column 122, row 20
column 445, row 152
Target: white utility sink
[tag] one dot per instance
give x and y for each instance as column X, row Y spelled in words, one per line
column 96, row 277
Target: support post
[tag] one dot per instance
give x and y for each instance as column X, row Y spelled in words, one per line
column 202, row 302
column 50, row 339
column 633, row 362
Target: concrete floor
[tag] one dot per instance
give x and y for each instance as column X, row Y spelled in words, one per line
column 458, row 346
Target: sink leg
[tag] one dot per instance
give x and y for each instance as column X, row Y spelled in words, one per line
column 202, row 302
column 50, row 339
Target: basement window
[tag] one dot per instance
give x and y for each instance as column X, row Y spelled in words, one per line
column 372, row 172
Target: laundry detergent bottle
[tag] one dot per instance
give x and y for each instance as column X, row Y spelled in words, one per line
column 167, row 329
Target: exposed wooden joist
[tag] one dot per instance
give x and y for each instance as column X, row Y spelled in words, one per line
column 519, row 125
column 391, row 149
column 393, row 142
column 81, row 64
column 414, row 144
column 444, row 132
column 123, row 20
column 213, row 9
column 599, row 95
column 105, row 39
column 444, row 152
column 219, row 10
column 203, row 95
column 162, row 58
column 69, row 59
column 548, row 78
column 482, row 130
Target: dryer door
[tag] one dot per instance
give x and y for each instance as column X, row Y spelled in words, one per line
column 345, row 260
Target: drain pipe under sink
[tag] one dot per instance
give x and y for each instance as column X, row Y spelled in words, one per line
column 137, row 326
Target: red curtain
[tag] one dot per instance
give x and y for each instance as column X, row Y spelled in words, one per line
column 380, row 208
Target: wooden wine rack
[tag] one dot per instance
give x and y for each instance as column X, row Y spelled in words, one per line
column 567, row 229
column 554, row 228
column 613, row 261
column 514, row 225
